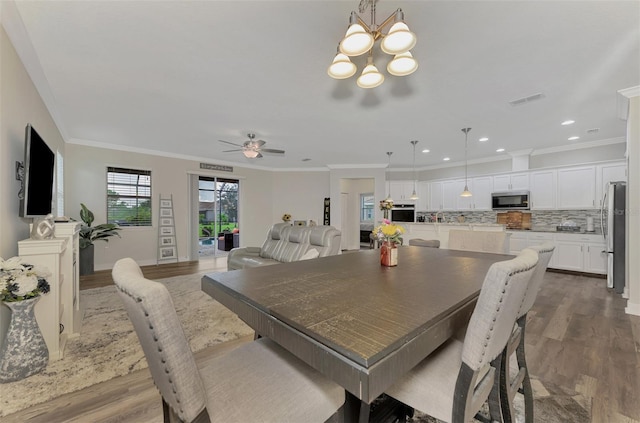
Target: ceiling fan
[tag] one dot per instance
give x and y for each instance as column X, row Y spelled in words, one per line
column 252, row 148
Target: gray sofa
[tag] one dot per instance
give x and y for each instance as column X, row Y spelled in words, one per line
column 286, row 243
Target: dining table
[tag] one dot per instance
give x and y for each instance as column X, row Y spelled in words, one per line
column 359, row 323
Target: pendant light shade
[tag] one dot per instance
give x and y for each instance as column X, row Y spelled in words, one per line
column 357, row 40
column 399, row 39
column 341, row 68
column 465, row 192
column 403, row 64
column 414, row 195
column 370, row 77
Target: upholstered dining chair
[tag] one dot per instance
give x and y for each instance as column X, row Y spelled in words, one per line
column 258, row 381
column 519, row 381
column 454, row 382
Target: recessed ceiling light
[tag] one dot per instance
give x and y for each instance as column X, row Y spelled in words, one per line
column 446, row 159
column 573, row 138
column 499, row 150
column 568, row 122
column 483, row 139
column 425, row 151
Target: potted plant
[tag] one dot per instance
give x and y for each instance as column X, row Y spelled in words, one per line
column 89, row 234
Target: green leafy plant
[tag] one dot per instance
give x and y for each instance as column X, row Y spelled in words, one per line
column 89, row 233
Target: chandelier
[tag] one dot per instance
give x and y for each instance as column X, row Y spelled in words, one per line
column 360, row 39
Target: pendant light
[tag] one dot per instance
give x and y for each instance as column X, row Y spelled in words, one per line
column 466, row 192
column 414, row 195
column 389, row 199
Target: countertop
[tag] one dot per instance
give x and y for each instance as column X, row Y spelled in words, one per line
column 552, row 229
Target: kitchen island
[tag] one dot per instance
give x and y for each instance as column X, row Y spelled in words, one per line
column 440, row 231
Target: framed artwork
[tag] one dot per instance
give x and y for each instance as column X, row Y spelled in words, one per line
column 166, row 213
column 165, row 203
column 166, row 230
column 166, row 221
column 167, row 240
column 167, row 252
column 299, row 223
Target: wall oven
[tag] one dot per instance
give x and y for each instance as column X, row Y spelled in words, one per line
column 510, row 200
column 403, row 213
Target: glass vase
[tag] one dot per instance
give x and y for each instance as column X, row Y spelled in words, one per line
column 24, row 351
column 389, row 254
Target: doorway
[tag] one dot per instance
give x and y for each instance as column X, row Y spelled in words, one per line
column 218, row 229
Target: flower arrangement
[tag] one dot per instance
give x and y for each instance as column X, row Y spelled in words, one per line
column 286, row 217
column 21, row 281
column 388, row 232
column 386, row 204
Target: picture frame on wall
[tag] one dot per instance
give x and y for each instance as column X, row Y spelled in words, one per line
column 167, row 240
column 166, row 213
column 166, row 221
column 167, row 253
column 166, row 231
column 165, row 203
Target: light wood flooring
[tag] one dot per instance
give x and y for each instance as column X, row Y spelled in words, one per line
column 580, row 343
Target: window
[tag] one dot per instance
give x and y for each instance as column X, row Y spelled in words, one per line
column 128, row 197
column 366, row 207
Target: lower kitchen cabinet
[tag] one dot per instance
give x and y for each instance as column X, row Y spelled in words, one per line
column 582, row 253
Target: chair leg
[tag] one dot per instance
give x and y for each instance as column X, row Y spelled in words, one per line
column 526, row 382
column 495, row 397
column 166, row 412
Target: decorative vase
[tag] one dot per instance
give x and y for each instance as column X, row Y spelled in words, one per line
column 86, row 260
column 385, row 213
column 24, row 351
column 389, row 254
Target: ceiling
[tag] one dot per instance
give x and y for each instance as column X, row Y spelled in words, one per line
column 175, row 77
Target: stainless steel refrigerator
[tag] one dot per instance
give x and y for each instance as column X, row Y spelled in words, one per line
column 612, row 218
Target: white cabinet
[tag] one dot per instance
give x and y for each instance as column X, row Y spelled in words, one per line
column 581, row 253
column 606, row 173
column 511, row 182
column 423, row 196
column 543, row 190
column 482, row 189
column 401, row 191
column 70, row 268
column 576, row 188
column 51, row 307
column 450, row 193
column 435, row 196
column 518, row 242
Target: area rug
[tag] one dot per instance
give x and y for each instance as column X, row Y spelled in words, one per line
column 108, row 347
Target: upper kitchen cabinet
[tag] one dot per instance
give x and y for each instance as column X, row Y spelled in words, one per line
column 423, row 196
column 511, row 182
column 401, row 191
column 606, row 173
column 451, row 191
column 576, row 187
column 481, row 188
column 435, row 196
column 543, row 190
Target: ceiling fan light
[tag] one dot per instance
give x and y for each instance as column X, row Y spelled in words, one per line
column 250, row 154
column 370, row 77
column 403, row 64
column 399, row 39
column 356, row 41
column 342, row 67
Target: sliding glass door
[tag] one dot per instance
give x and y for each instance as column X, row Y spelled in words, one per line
column 218, row 230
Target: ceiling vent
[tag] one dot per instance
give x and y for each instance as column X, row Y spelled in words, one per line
column 593, row 130
column 528, row 99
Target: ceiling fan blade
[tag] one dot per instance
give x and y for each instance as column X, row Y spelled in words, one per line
column 258, row 143
column 232, row 143
column 258, row 156
column 272, row 150
column 229, row 151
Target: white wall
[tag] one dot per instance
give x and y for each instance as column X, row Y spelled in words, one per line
column 85, row 182
column 301, row 194
column 633, row 205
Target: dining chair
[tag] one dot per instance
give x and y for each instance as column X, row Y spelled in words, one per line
column 258, row 381
column 514, row 379
column 453, row 383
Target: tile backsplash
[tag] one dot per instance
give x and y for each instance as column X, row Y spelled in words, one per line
column 548, row 219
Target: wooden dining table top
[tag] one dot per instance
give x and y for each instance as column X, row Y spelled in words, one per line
column 359, row 323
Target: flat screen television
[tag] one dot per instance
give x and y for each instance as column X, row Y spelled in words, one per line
column 39, row 165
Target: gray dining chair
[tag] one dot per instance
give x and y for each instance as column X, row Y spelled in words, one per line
column 514, row 379
column 453, row 383
column 258, row 381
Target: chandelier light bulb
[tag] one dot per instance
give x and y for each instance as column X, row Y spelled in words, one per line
column 370, row 77
column 341, row 67
column 403, row 64
column 399, row 39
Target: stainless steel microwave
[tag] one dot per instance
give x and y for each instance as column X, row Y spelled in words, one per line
column 403, row 213
column 510, row 200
